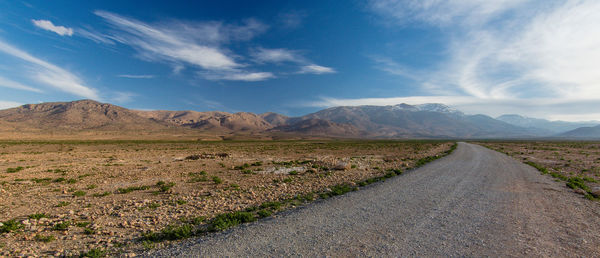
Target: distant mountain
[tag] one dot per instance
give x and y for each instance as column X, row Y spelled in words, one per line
column 275, row 119
column 77, row 116
column 398, row 121
column 428, row 121
column 543, row 126
column 210, row 121
column 583, row 133
column 322, row 127
column 88, row 116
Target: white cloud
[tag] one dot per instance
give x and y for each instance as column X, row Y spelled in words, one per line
column 17, row 85
column 136, row 76
column 49, row 26
column 168, row 44
column 390, row 66
column 200, row 45
column 507, row 51
column 95, row 36
column 442, row 12
column 280, row 55
column 50, row 74
column 276, row 55
column 237, row 76
column 123, row 97
column 9, row 104
column 316, row 69
column 195, row 44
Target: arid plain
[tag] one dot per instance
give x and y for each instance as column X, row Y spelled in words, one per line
column 122, row 197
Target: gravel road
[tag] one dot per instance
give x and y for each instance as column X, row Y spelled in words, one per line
column 475, row 202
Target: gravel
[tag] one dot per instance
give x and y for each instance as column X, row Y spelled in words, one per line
column 475, row 202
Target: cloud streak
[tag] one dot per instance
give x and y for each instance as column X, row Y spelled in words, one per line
column 281, row 55
column 50, row 74
column 9, row 104
column 509, row 51
column 49, row 26
column 136, row 76
column 194, row 44
column 316, row 69
column 17, row 85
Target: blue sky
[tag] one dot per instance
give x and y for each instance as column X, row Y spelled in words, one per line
column 531, row 57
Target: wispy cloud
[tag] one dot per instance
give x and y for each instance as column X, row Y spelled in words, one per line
column 17, row 85
column 136, row 76
column 200, row 45
column 123, row 97
column 95, row 36
column 392, row 67
column 280, row 55
column 195, row 44
column 292, row 20
column 50, row 74
column 9, row 104
column 442, row 12
column 49, row 26
column 506, row 51
column 236, row 76
column 276, row 55
column 316, row 69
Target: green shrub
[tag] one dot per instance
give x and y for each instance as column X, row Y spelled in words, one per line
column 79, row 193
column 264, row 213
column 164, row 186
column 132, row 188
column 94, row 253
column 10, row 225
column 107, row 193
column 228, row 220
column 89, row 231
column 275, row 205
column 577, row 182
column 170, row 232
column 14, row 170
column 62, row 225
column 38, row 216
column 45, row 239
column 62, row 204
column 217, row 180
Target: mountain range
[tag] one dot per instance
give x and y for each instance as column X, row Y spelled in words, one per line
column 398, row 121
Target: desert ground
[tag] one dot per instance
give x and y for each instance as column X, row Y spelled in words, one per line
column 95, row 198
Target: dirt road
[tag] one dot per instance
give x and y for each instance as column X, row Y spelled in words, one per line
column 474, row 202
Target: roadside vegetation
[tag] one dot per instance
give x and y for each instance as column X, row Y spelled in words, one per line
column 577, row 164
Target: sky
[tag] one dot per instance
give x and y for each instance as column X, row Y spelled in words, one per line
column 538, row 58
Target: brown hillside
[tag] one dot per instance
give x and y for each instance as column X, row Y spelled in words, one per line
column 212, row 121
column 77, row 116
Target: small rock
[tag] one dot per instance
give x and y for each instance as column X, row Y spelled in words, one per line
column 596, row 191
column 342, row 166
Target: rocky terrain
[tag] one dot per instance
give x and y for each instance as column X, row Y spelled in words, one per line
column 63, row 198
